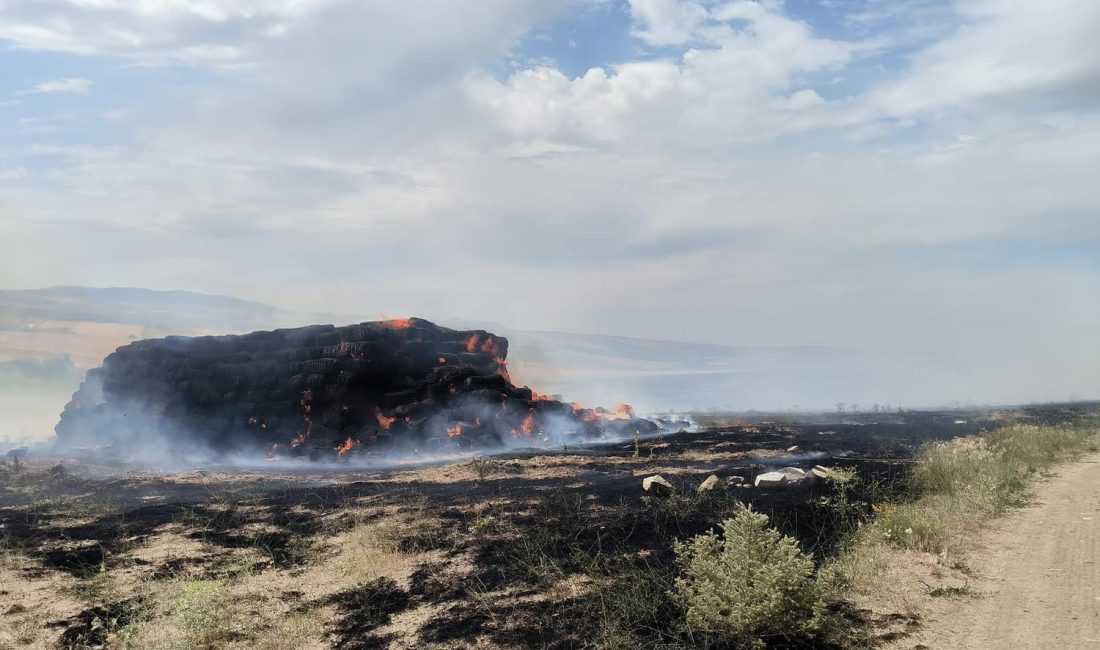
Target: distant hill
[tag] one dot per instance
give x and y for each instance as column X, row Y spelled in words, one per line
column 164, row 310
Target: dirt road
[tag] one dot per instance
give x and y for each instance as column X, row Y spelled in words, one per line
column 1039, row 577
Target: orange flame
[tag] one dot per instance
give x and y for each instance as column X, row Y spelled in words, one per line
column 455, row 431
column 492, row 347
column 397, row 323
column 383, row 421
column 298, row 440
column 620, row 412
column 346, row 447
column 526, row 428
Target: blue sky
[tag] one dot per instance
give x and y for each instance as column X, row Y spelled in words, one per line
column 898, row 175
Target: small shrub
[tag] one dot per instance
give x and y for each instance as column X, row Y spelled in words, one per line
column 750, row 585
column 203, row 613
column 483, row 524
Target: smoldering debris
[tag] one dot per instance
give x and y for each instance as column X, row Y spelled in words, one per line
column 323, row 392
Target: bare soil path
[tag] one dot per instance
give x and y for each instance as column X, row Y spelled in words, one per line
column 1039, row 577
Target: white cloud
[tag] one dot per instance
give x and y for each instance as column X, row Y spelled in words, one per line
column 194, row 31
column 667, row 22
column 66, row 85
column 1003, row 54
column 805, row 98
column 733, row 87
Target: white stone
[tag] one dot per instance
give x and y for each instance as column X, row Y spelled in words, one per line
column 657, row 484
column 709, row 485
column 784, row 476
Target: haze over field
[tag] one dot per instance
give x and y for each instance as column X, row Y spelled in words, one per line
column 895, row 201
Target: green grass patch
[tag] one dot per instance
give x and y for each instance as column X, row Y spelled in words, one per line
column 960, row 484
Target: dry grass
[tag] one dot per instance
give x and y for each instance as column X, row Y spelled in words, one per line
column 959, row 486
column 243, row 606
column 388, row 547
column 295, row 631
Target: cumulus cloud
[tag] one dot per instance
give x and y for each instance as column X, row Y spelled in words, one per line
column 667, row 22
column 731, row 86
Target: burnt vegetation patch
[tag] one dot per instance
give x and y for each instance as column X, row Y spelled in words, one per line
column 362, row 610
column 567, row 569
column 93, row 627
column 538, row 548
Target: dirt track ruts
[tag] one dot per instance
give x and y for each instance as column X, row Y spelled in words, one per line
column 1039, row 584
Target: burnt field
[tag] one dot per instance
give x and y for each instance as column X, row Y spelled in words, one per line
column 557, row 547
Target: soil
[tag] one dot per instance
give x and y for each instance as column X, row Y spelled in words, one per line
column 1038, row 569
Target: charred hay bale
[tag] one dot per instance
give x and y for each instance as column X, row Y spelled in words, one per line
column 275, row 409
column 486, row 364
column 417, row 410
column 332, row 392
column 332, row 416
column 273, row 386
column 319, row 366
column 394, row 399
column 327, row 339
column 484, row 397
column 485, row 383
column 420, row 356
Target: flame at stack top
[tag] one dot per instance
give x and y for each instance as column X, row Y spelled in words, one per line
column 397, row 323
column 325, row 391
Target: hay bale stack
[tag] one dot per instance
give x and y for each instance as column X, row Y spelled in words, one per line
column 319, row 390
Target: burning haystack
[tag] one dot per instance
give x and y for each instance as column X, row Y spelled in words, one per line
column 324, row 391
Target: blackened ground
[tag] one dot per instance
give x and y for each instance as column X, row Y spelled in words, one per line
column 534, row 548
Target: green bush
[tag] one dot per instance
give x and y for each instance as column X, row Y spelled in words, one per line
column 748, row 586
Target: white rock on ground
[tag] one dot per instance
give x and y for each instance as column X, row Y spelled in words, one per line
column 709, row 485
column 657, row 484
column 785, row 476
